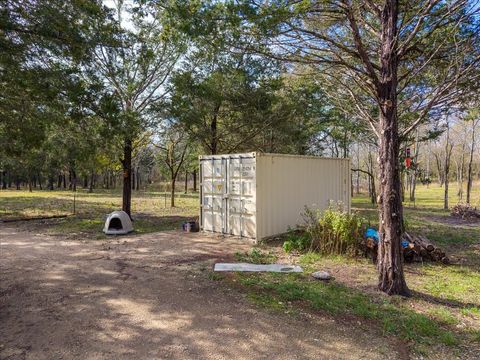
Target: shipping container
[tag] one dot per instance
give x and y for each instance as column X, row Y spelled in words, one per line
column 257, row 195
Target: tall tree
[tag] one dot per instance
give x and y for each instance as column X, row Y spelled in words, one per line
column 136, row 73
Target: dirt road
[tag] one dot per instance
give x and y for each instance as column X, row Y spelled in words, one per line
column 147, row 297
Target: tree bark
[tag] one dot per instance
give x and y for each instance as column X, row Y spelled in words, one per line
column 172, row 191
column 390, row 259
column 127, row 177
column 372, row 191
column 194, row 180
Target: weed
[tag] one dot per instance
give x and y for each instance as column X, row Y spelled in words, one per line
column 256, row 256
column 332, row 231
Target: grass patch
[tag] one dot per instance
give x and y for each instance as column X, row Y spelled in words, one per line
column 150, row 212
column 338, row 300
column 256, row 256
column 476, row 336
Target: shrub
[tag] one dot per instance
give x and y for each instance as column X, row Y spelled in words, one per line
column 333, row 231
column 297, row 240
column 255, row 257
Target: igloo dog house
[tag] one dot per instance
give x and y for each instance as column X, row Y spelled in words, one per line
column 118, row 223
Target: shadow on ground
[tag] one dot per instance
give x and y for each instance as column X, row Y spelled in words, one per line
column 148, row 297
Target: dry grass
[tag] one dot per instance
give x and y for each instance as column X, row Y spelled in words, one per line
column 151, row 211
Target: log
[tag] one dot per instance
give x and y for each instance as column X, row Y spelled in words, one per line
column 425, row 243
column 420, row 248
column 438, row 254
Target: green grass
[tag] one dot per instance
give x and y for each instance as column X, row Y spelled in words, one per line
column 151, row 210
column 256, row 256
column 393, row 317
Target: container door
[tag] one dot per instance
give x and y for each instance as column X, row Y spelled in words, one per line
column 213, row 199
column 241, row 197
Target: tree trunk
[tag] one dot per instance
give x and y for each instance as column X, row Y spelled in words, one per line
column 90, row 189
column 50, row 183
column 390, row 259
column 59, row 182
column 439, row 169
column 371, row 180
column 460, row 171
column 172, row 191
column 127, row 177
column 470, row 163
column 74, row 180
column 133, row 179
column 446, row 167
column 186, row 181
column 214, row 132
column 413, row 177
column 195, row 180
column 138, row 178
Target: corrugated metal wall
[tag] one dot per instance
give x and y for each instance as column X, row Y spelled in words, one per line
column 287, row 183
column 227, row 194
column 258, row 195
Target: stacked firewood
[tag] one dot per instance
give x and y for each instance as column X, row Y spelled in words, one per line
column 419, row 248
column 416, row 248
column 465, row 211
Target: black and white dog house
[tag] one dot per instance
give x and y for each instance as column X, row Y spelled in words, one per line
column 118, row 223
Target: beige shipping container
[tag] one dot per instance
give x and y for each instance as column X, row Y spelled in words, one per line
column 257, row 195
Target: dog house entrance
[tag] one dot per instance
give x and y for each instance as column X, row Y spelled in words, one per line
column 115, row 224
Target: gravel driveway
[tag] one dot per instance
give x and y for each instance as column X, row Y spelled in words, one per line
column 148, row 297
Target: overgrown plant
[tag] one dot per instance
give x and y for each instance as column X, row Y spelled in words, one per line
column 332, row 232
